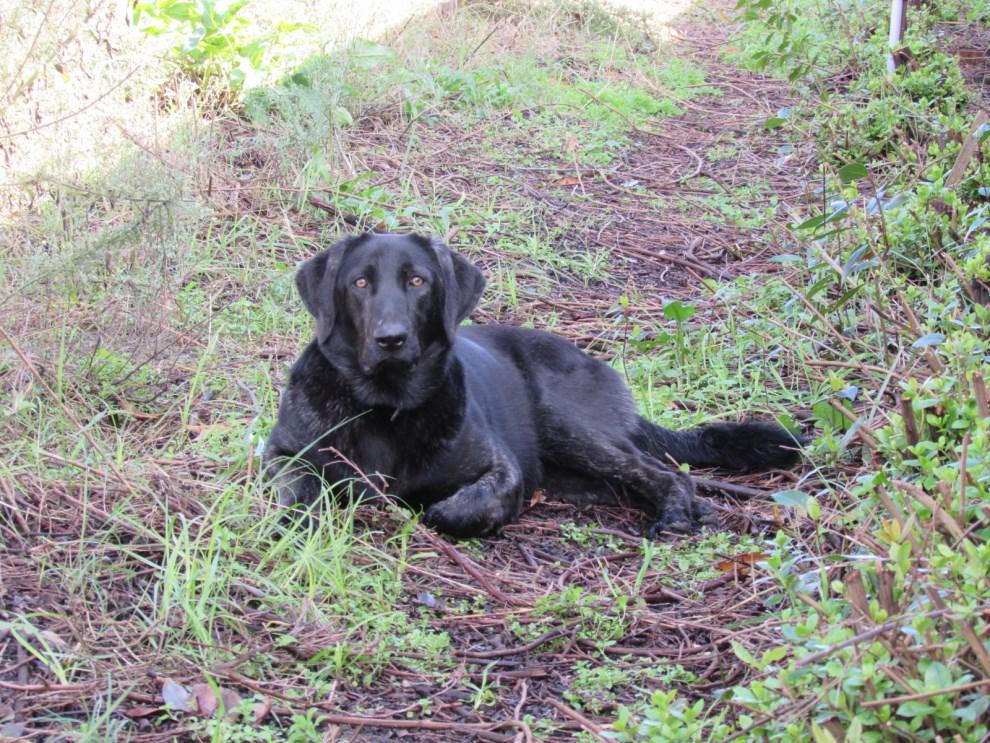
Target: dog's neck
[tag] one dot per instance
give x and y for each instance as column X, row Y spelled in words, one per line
column 445, row 392
column 434, row 380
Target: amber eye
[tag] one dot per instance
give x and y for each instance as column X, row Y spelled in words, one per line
column 415, row 280
column 361, row 283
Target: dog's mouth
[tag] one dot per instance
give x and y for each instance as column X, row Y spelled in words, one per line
column 388, row 366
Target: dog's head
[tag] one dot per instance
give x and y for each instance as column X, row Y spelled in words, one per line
column 387, row 309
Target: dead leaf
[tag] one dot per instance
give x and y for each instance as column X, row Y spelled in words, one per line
column 537, row 498
column 136, row 713
column 206, row 699
column 261, row 710
column 201, row 428
column 54, row 640
column 12, row 731
column 177, row 697
column 972, row 54
column 741, row 563
column 208, row 704
column 568, row 180
column 231, row 701
column 427, row 599
column 571, row 144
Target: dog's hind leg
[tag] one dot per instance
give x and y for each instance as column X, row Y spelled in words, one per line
column 581, row 490
column 666, row 494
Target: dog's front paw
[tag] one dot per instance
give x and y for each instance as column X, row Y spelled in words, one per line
column 459, row 517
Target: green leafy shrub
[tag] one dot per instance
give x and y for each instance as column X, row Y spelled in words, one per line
column 220, row 40
column 881, row 599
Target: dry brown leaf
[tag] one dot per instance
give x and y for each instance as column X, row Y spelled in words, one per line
column 231, row 701
column 261, row 710
column 741, row 563
column 206, row 699
column 136, row 713
column 207, row 702
column 568, row 180
column 177, row 697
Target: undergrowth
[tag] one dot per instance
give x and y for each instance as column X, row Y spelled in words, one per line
column 880, row 606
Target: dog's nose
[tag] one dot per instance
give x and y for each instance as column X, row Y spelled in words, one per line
column 390, row 339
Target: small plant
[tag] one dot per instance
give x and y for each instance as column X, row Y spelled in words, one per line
column 665, row 718
column 593, row 687
column 220, row 42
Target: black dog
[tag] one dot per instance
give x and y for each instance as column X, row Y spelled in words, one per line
column 468, row 422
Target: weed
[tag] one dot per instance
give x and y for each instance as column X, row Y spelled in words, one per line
column 217, row 42
column 592, row 686
column 871, row 256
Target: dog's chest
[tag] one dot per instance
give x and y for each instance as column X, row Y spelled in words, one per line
column 399, row 450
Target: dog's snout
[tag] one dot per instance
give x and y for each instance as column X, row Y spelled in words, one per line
column 391, row 337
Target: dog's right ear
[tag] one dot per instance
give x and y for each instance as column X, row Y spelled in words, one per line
column 463, row 284
column 315, row 280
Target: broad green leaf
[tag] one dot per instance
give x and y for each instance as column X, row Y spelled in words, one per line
column 678, row 311
column 792, row 498
column 827, row 415
column 975, row 709
column 914, row 708
column 853, row 172
column 774, row 654
column 932, row 339
column 744, row 655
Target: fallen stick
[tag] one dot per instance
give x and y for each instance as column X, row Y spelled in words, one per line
column 969, row 148
column 743, row 491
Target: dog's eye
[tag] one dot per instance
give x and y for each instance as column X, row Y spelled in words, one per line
column 415, row 280
column 361, row 283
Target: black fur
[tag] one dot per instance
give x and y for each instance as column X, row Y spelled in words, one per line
column 467, row 422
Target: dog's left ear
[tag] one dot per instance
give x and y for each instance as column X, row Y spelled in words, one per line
column 315, row 279
column 463, row 284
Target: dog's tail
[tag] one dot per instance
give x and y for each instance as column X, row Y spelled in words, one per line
column 740, row 447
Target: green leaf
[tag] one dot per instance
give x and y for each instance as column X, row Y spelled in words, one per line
column 342, row 117
column 828, row 416
column 792, row 498
column 744, row 655
column 814, row 509
column 813, row 223
column 932, row 339
column 937, row 676
column 774, row 654
column 677, row 311
column 368, row 55
column 774, row 122
column 975, row 709
column 179, row 11
column 853, row 172
column 914, row 709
